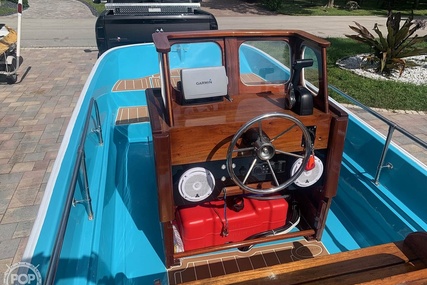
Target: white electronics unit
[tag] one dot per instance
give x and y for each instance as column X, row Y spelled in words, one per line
column 204, row 82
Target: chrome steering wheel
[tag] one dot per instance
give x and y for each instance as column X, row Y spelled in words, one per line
column 263, row 150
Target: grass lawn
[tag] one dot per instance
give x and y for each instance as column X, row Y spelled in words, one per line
column 367, row 8
column 373, row 93
column 95, row 7
column 7, row 8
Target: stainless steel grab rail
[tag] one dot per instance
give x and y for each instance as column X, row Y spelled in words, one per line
column 392, row 127
column 86, row 199
column 79, row 164
column 98, row 128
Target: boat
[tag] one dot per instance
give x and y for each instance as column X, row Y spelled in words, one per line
column 219, row 157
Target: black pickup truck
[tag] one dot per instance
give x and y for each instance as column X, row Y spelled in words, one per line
column 125, row 22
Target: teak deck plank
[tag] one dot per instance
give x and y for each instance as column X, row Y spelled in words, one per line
column 153, row 81
column 418, row 277
column 372, row 274
column 228, row 262
column 369, row 264
column 131, row 115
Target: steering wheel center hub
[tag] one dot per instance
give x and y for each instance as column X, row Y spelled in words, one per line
column 256, row 140
column 264, row 150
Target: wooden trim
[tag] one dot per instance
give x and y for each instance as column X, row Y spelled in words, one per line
column 232, row 65
column 164, row 177
column 162, row 155
column 381, row 276
column 351, row 267
column 321, row 217
column 418, row 277
column 338, row 130
column 167, row 87
column 168, row 243
column 323, row 87
column 162, row 40
column 156, row 109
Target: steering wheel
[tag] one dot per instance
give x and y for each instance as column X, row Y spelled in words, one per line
column 263, row 150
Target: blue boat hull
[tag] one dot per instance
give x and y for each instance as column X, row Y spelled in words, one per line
column 123, row 243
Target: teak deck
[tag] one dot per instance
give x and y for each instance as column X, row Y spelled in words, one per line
column 153, row 81
column 392, row 263
column 132, row 115
column 219, row 264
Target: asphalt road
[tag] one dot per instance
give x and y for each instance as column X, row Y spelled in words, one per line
column 57, row 33
column 81, row 32
column 74, row 25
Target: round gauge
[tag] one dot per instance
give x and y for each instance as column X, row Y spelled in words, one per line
column 196, row 184
column 307, row 177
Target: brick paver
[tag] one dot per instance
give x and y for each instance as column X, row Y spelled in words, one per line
column 58, row 9
column 33, row 117
column 411, row 121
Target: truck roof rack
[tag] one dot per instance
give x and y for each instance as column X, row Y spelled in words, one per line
column 151, row 8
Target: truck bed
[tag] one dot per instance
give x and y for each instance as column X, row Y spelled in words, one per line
column 132, row 23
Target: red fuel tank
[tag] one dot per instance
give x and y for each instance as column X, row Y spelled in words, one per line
column 202, row 226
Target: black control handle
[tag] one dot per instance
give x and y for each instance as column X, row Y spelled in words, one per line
column 297, row 67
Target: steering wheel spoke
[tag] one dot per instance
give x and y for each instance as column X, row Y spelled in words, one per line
column 264, row 151
column 260, row 129
column 249, row 171
column 290, row 153
column 243, row 149
column 282, row 133
column 273, row 173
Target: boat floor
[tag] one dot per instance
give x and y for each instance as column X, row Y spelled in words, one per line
column 213, row 265
column 403, row 262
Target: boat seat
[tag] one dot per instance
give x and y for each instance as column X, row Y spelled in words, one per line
column 418, row 243
column 391, row 263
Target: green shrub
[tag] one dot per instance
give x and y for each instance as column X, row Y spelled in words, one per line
column 24, row 3
column 273, row 5
column 390, row 50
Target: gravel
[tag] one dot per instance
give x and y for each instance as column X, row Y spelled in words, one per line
column 415, row 71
